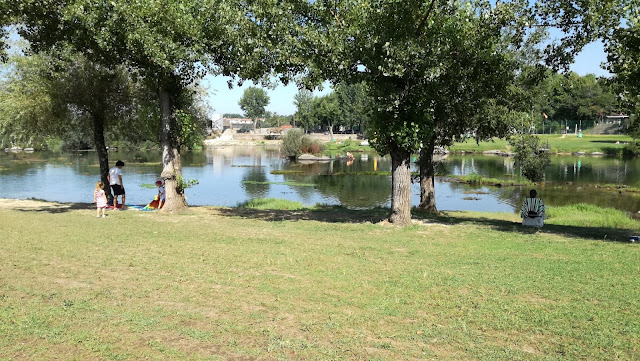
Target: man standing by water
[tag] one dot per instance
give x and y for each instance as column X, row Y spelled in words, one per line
column 115, row 181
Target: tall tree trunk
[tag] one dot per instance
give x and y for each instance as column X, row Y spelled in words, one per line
column 101, row 149
column 172, row 168
column 427, row 179
column 400, row 188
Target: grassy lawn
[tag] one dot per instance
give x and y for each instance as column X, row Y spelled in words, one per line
column 326, row 284
column 341, row 147
column 569, row 144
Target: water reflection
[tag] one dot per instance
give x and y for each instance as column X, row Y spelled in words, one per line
column 356, row 191
column 230, row 175
column 572, row 169
column 254, row 182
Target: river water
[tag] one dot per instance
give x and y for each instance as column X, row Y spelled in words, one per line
column 231, row 175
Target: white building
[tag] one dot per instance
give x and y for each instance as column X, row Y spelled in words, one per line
column 216, row 121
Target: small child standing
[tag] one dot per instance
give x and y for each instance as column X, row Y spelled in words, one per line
column 100, row 199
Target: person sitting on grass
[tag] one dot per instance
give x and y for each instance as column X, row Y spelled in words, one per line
column 158, row 200
column 161, row 194
column 532, row 210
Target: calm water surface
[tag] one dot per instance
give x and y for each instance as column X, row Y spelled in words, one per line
column 231, row 175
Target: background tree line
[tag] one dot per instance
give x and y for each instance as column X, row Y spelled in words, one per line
column 568, row 99
column 348, row 107
column 55, row 101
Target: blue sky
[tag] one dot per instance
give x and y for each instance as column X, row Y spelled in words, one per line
column 223, row 100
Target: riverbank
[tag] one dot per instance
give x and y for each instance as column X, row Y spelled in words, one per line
column 558, row 144
column 596, row 145
column 246, row 283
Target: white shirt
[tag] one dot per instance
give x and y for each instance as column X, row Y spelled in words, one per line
column 114, row 176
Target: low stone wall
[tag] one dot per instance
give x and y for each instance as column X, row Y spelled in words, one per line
column 248, row 137
column 315, row 136
column 327, row 138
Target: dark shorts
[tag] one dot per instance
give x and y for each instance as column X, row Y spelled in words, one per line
column 117, row 189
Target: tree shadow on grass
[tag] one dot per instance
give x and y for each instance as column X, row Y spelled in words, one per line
column 336, row 214
column 329, row 214
column 54, row 208
column 609, row 141
column 501, row 225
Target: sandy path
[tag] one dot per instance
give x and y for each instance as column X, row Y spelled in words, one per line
column 36, row 204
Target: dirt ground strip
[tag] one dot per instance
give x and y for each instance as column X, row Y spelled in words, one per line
column 35, row 204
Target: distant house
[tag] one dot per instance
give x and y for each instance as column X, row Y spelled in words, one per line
column 616, row 118
column 237, row 123
column 215, row 121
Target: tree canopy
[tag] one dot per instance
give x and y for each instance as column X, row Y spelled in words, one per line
column 348, row 106
column 303, row 101
column 253, row 102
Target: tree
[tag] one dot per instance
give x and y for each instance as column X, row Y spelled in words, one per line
column 355, row 105
column 292, row 143
column 85, row 103
column 98, row 93
column 409, row 55
column 592, row 98
column 614, row 22
column 304, row 117
column 623, row 58
column 276, row 120
column 27, row 110
column 530, row 156
column 581, row 22
column 326, row 110
column 170, row 44
column 474, row 93
column 5, row 20
column 72, row 97
column 253, row 102
column 572, row 97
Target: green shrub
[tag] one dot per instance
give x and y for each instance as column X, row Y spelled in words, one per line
column 185, row 183
column 292, row 143
column 273, row 204
column 632, row 149
column 530, row 156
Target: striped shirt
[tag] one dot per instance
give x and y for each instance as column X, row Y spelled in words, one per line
column 533, row 205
